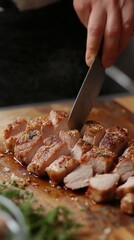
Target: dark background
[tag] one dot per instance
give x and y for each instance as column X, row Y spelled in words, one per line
column 42, row 54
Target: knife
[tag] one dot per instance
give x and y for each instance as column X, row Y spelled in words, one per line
column 88, row 92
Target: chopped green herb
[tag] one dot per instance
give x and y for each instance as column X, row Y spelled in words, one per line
column 31, row 134
column 54, row 225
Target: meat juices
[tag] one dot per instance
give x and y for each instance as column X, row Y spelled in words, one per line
column 115, row 140
column 127, row 204
column 92, row 132
column 45, row 156
column 12, row 132
column 70, row 137
column 27, row 145
column 59, row 120
column 127, row 187
column 60, row 168
column 80, row 148
column 102, row 187
column 79, row 178
column 101, row 160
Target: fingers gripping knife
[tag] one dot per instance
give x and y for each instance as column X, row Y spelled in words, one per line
column 88, row 92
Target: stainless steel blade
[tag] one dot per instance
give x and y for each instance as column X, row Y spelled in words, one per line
column 87, row 95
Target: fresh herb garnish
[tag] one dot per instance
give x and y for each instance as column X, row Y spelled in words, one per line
column 54, row 225
column 31, row 134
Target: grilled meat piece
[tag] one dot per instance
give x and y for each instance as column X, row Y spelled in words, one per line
column 36, row 123
column 92, row 132
column 60, row 168
column 12, row 132
column 70, row 137
column 15, row 127
column 127, row 187
column 27, row 145
column 51, row 140
column 101, row 160
column 45, row 156
column 79, row 178
column 59, row 120
column 102, row 187
column 127, row 204
column 125, row 167
column 80, row 148
column 115, row 140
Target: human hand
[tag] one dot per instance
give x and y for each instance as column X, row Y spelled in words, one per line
column 110, row 20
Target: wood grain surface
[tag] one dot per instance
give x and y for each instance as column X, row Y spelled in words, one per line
column 100, row 221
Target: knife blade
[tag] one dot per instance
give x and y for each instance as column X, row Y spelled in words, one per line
column 88, row 92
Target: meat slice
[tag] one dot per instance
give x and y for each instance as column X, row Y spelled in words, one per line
column 115, row 140
column 101, row 160
column 47, row 129
column 70, row 137
column 127, row 204
column 127, row 187
column 45, row 156
column 27, row 145
column 92, row 132
column 36, row 123
column 51, row 140
column 60, row 168
column 79, row 178
column 59, row 120
column 12, row 132
column 102, row 187
column 125, row 167
column 80, row 148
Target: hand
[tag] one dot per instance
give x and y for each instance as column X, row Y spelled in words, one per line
column 110, row 20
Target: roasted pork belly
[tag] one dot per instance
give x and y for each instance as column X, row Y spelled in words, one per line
column 27, row 145
column 115, row 139
column 70, row 137
column 127, row 204
column 36, row 123
column 127, row 187
column 79, row 178
column 45, row 156
column 101, row 160
column 60, row 168
column 80, row 148
column 92, row 132
column 125, row 167
column 12, row 132
column 51, row 140
column 59, row 120
column 102, row 187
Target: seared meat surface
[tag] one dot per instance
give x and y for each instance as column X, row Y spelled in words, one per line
column 102, row 187
column 92, row 132
column 46, row 155
column 70, row 137
column 60, row 168
column 27, row 145
column 115, row 140
column 80, row 148
column 59, row 120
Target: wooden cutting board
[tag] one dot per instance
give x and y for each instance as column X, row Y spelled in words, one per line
column 100, row 222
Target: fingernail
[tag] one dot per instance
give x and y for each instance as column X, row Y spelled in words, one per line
column 89, row 61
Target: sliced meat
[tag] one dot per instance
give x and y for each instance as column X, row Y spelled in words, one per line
column 10, row 142
column 47, row 129
column 80, row 148
column 15, row 127
column 102, row 187
column 101, row 160
column 70, row 137
column 36, row 123
column 59, row 120
column 51, row 140
column 60, row 168
column 127, row 187
column 45, row 156
column 27, row 145
column 115, row 140
column 92, row 132
column 125, row 167
column 79, row 178
column 127, row 204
